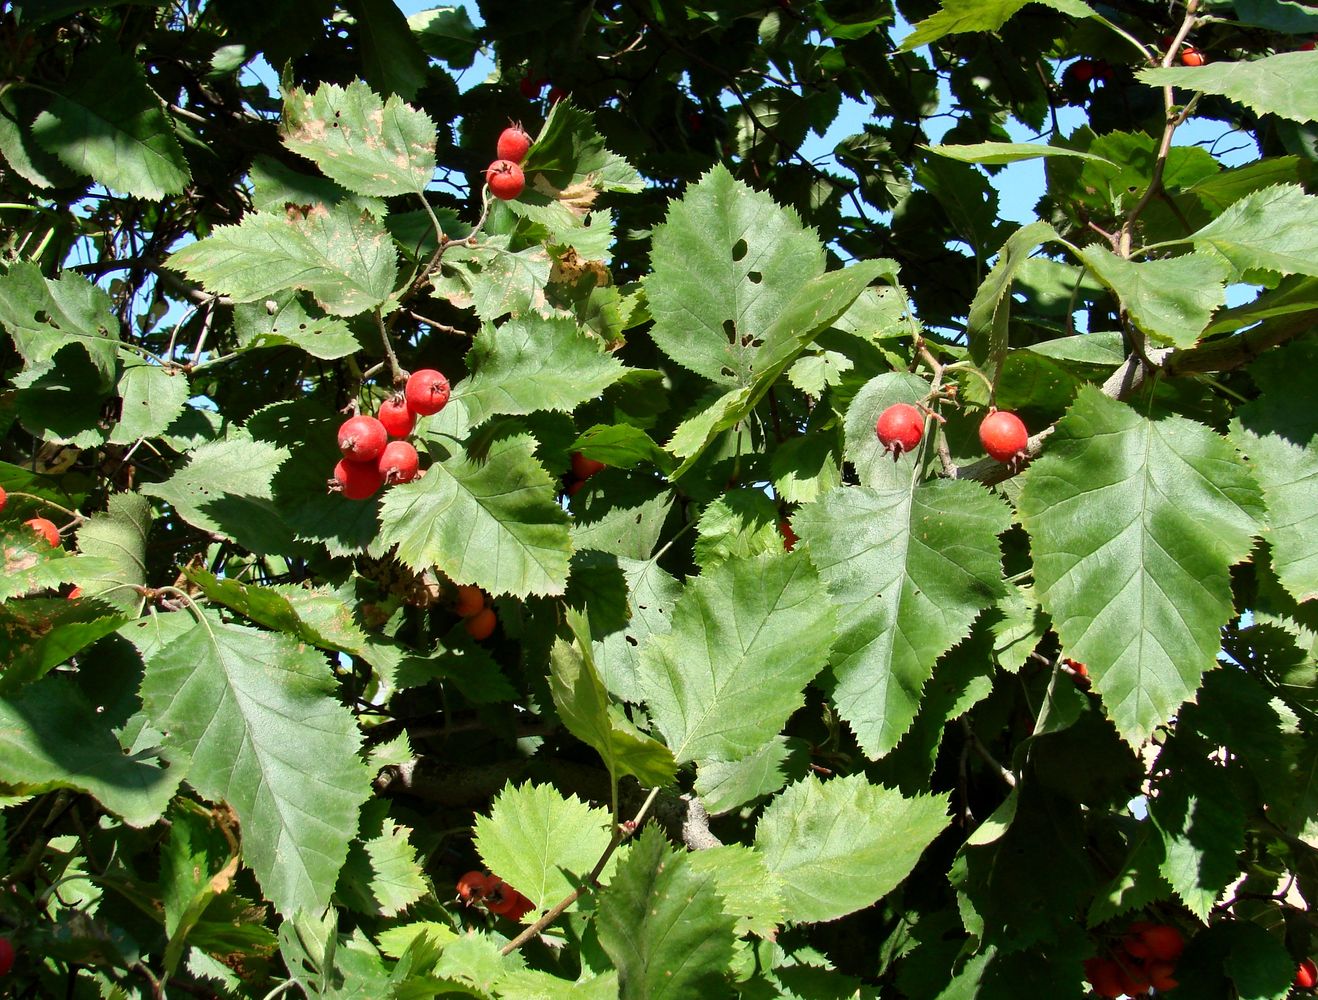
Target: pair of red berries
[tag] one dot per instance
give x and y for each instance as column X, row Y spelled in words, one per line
column 494, row 894
column 479, row 618
column 1146, row 960
column 504, row 176
column 901, row 426
column 370, row 460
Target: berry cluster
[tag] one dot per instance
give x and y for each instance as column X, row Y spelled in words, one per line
column 901, row 426
column 496, row 895
column 504, row 176
column 1145, row 960
column 582, row 469
column 479, row 619
column 370, row 460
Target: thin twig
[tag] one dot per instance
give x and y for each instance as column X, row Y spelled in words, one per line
column 985, row 755
column 396, row 374
column 621, row 833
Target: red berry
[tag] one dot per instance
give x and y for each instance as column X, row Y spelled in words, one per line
column 1104, row 975
column 789, row 536
column 1003, row 436
column 507, row 901
column 398, row 420
column 574, row 487
column 426, row 392
column 480, row 626
column 362, row 438
column 1161, row 976
column 505, row 179
column 513, row 143
column 4, row 498
column 74, row 594
column 1190, row 56
column 470, row 600
column 398, row 463
column 356, row 480
column 583, row 467
column 6, row 956
column 1081, row 71
column 1164, row 941
column 474, row 886
column 46, row 529
column 1306, row 976
column 900, row 428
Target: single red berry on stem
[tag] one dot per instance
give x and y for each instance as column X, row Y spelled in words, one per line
column 583, row 467
column 1306, row 976
column 1003, row 436
column 470, row 600
column 6, row 956
column 513, row 143
column 900, row 428
column 398, row 420
column 362, row 438
column 1081, row 71
column 505, row 179
column 356, row 480
column 426, row 392
column 1190, row 56
column 480, row 626
column 1104, row 975
column 474, row 886
column 46, row 529
column 398, row 463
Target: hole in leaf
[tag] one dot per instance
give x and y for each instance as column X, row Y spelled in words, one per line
column 632, row 642
column 739, row 250
column 730, row 329
column 756, row 277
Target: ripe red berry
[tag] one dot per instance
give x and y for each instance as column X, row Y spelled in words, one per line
column 398, row 420
column 362, row 438
column 1104, row 975
column 1164, row 942
column 6, row 956
column 507, row 901
column 1161, row 976
column 46, row 529
column 470, row 600
column 1081, row 71
column 398, row 463
column 531, row 88
column 4, row 498
column 513, row 143
column 900, row 428
column 556, row 94
column 574, row 486
column 583, row 467
column 356, row 480
column 1190, row 56
column 505, row 179
column 1003, row 436
column 1306, row 976
column 474, row 886
column 480, row 626
column 74, row 594
column 426, row 392
column 789, row 536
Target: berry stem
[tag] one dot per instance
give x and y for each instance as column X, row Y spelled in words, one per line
column 396, row 373
column 77, row 518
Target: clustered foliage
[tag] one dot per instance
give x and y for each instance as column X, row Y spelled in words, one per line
column 674, row 672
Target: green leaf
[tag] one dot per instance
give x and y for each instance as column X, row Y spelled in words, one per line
column 225, row 489
column 1171, row 299
column 44, row 315
column 651, row 594
column 529, row 984
column 1275, row 229
column 152, row 398
column 841, row 845
column 392, row 59
column 108, row 123
column 1284, row 84
column 569, row 159
column 583, row 705
column 806, row 467
column 746, row 638
column 663, row 926
column 741, row 524
column 723, row 785
column 542, row 843
column 38, row 634
column 258, row 716
column 1200, row 812
column 493, row 523
column 28, row 563
column 994, row 153
column 51, row 737
column 531, row 364
column 990, row 312
column 749, row 890
column 495, row 281
column 726, row 263
column 909, row 569
column 1134, row 526
column 196, row 864
column 344, row 258
column 369, row 146
column 18, row 147
column 447, row 33
column 119, row 536
column 381, row 874
column 1278, row 434
column 621, row 446
column 961, row 16
column 257, row 325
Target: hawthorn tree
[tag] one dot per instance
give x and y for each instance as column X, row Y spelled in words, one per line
column 667, row 676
